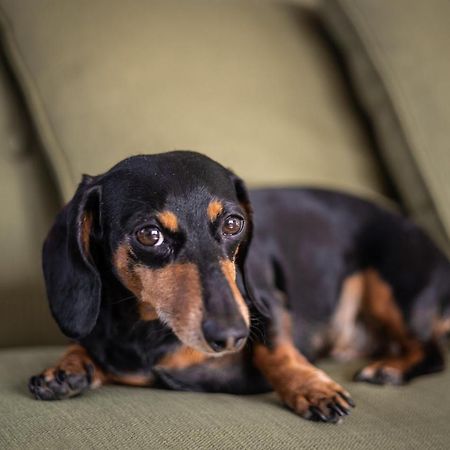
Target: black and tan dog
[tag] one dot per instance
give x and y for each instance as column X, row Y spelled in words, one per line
column 161, row 274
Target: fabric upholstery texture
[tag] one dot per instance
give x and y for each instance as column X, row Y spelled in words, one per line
column 414, row 416
column 398, row 57
column 28, row 204
column 251, row 84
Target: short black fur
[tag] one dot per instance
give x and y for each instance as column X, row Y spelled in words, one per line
column 298, row 247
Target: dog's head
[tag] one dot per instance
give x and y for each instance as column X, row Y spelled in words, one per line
column 174, row 228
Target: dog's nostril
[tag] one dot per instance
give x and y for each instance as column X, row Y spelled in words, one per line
column 218, row 345
column 221, row 338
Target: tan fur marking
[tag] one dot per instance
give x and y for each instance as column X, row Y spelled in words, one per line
column 298, row 382
column 215, row 207
column 125, row 272
column 229, row 271
column 380, row 307
column 182, row 358
column 147, row 312
column 74, row 361
column 441, row 327
column 132, row 282
column 173, row 294
column 344, row 332
column 399, row 365
column 176, row 295
column 86, row 225
column 132, row 379
column 368, row 293
column 168, row 220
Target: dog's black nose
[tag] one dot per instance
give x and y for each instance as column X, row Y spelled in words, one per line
column 221, row 338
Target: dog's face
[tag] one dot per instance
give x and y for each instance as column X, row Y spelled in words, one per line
column 174, row 227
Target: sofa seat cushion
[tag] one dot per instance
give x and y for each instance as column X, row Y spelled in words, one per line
column 397, row 53
column 252, row 84
column 414, row 416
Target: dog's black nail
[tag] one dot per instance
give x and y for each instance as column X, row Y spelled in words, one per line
column 338, row 409
column 348, row 399
column 318, row 413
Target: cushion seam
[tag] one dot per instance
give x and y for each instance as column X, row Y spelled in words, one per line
column 54, row 152
column 419, row 157
column 346, row 21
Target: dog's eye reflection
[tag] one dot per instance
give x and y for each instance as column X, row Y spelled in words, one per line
column 232, row 225
column 150, row 236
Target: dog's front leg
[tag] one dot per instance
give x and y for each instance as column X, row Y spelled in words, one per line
column 304, row 388
column 74, row 374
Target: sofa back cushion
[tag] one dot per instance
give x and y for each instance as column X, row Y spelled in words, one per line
column 251, row 84
column 398, row 56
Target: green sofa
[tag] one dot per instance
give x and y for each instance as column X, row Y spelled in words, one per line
column 346, row 94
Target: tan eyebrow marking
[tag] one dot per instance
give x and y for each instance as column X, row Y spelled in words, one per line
column 168, row 220
column 215, row 207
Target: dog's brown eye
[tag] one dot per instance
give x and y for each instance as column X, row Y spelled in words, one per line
column 150, row 236
column 232, row 225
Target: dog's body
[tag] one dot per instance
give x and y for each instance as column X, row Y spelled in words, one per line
column 158, row 271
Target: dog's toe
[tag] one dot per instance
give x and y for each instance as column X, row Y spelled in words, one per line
column 380, row 374
column 38, row 387
column 323, row 414
column 58, row 385
column 321, row 400
column 332, row 409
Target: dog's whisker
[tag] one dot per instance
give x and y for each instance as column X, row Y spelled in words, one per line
column 124, row 299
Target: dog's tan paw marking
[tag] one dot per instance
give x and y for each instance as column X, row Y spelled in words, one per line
column 74, row 374
column 318, row 398
column 381, row 373
column 57, row 384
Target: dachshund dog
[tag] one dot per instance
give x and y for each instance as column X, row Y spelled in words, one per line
column 166, row 272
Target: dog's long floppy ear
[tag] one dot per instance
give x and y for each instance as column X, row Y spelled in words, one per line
column 72, row 280
column 251, row 290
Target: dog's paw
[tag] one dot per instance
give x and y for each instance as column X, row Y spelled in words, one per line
column 58, row 384
column 380, row 373
column 319, row 398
